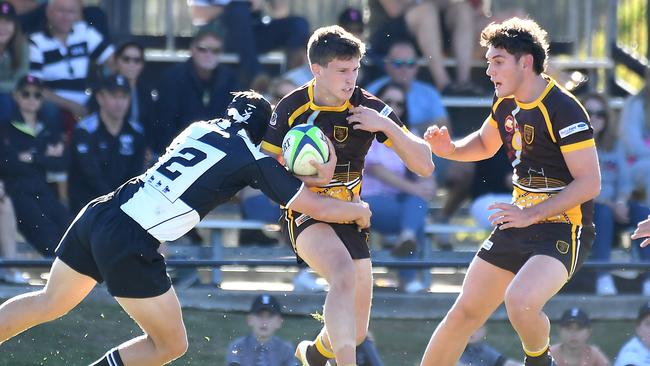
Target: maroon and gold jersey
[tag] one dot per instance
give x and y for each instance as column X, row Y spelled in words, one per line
column 351, row 146
column 535, row 135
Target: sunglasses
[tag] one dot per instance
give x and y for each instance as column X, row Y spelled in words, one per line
column 26, row 94
column 397, row 63
column 600, row 113
column 129, row 59
column 212, row 50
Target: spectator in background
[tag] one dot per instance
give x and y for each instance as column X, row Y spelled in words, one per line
column 249, row 33
column 479, row 353
column 419, row 21
column 30, row 148
column 492, row 182
column 614, row 208
column 107, row 148
column 262, row 346
column 197, row 89
column 636, row 352
column 634, row 133
column 14, row 57
column 573, row 349
column 399, row 199
column 8, row 234
column 129, row 62
column 63, row 55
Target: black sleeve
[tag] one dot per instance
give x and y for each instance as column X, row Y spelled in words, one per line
column 86, row 154
column 275, row 181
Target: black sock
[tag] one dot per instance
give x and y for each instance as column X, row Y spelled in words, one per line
column 542, row 360
column 314, row 357
column 111, row 358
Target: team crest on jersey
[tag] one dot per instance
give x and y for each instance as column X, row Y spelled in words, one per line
column 510, row 124
column 126, row 145
column 340, row 133
column 562, row 246
column 529, row 134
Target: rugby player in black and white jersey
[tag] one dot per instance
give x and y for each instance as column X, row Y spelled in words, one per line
column 115, row 238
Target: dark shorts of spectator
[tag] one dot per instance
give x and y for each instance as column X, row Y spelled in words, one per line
column 356, row 241
column 107, row 245
column 511, row 248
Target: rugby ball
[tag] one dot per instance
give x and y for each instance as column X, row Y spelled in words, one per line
column 302, row 144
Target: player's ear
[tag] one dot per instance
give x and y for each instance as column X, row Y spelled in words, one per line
column 316, row 69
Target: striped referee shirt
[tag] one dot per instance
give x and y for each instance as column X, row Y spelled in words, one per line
column 64, row 67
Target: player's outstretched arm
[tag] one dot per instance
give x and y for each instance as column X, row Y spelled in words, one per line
column 643, row 231
column 331, row 210
column 413, row 151
column 478, row 145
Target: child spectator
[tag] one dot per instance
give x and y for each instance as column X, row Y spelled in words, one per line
column 636, row 352
column 573, row 349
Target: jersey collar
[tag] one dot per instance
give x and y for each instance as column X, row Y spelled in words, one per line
column 313, row 106
column 533, row 104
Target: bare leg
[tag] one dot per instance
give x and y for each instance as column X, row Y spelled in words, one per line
column 8, row 230
column 483, row 291
column 63, row 291
column 460, row 17
column 423, row 22
column 161, row 320
column 363, row 298
column 324, row 252
column 537, row 281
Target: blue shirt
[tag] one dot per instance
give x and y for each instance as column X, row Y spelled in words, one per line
column 423, row 101
column 246, row 351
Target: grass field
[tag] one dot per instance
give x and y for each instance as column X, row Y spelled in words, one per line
column 88, row 331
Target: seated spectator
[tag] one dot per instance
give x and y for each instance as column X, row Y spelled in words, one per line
column 492, row 182
column 419, row 21
column 129, row 62
column 479, row 353
column 262, row 346
column 197, row 89
column 30, row 148
column 106, row 148
column 8, row 233
column 636, row 352
column 614, row 207
column 634, row 133
column 279, row 88
column 399, row 200
column 32, row 16
column 367, row 354
column 248, row 34
column 63, row 55
column 573, row 349
column 14, row 57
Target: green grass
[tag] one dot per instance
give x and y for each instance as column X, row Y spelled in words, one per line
column 88, row 331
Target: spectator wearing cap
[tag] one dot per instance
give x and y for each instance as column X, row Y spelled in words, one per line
column 351, row 19
column 636, row 352
column 262, row 346
column 14, row 57
column 197, row 89
column 106, row 148
column 29, row 149
column 574, row 349
column 63, row 54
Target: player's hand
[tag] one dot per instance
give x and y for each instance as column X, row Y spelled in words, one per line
column 363, row 222
column 509, row 216
column 643, row 231
column 325, row 170
column 439, row 140
column 367, row 119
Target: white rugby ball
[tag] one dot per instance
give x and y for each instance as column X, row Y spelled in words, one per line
column 302, row 144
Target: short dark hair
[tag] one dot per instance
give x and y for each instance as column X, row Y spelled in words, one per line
column 518, row 37
column 333, row 42
column 130, row 43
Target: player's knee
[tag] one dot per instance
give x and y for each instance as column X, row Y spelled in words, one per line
column 343, row 278
column 175, row 347
column 519, row 305
column 462, row 315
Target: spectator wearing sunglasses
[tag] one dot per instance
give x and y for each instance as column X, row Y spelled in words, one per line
column 614, row 208
column 198, row 89
column 29, row 149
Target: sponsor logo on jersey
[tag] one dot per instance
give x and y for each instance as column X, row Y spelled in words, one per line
column 301, row 219
column 386, row 111
column 274, row 119
column 340, row 133
column 562, row 246
column 487, row 244
column 574, row 128
column 529, row 133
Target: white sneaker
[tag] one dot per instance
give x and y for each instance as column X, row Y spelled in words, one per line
column 605, row 285
column 306, row 282
column 646, row 287
column 414, row 287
